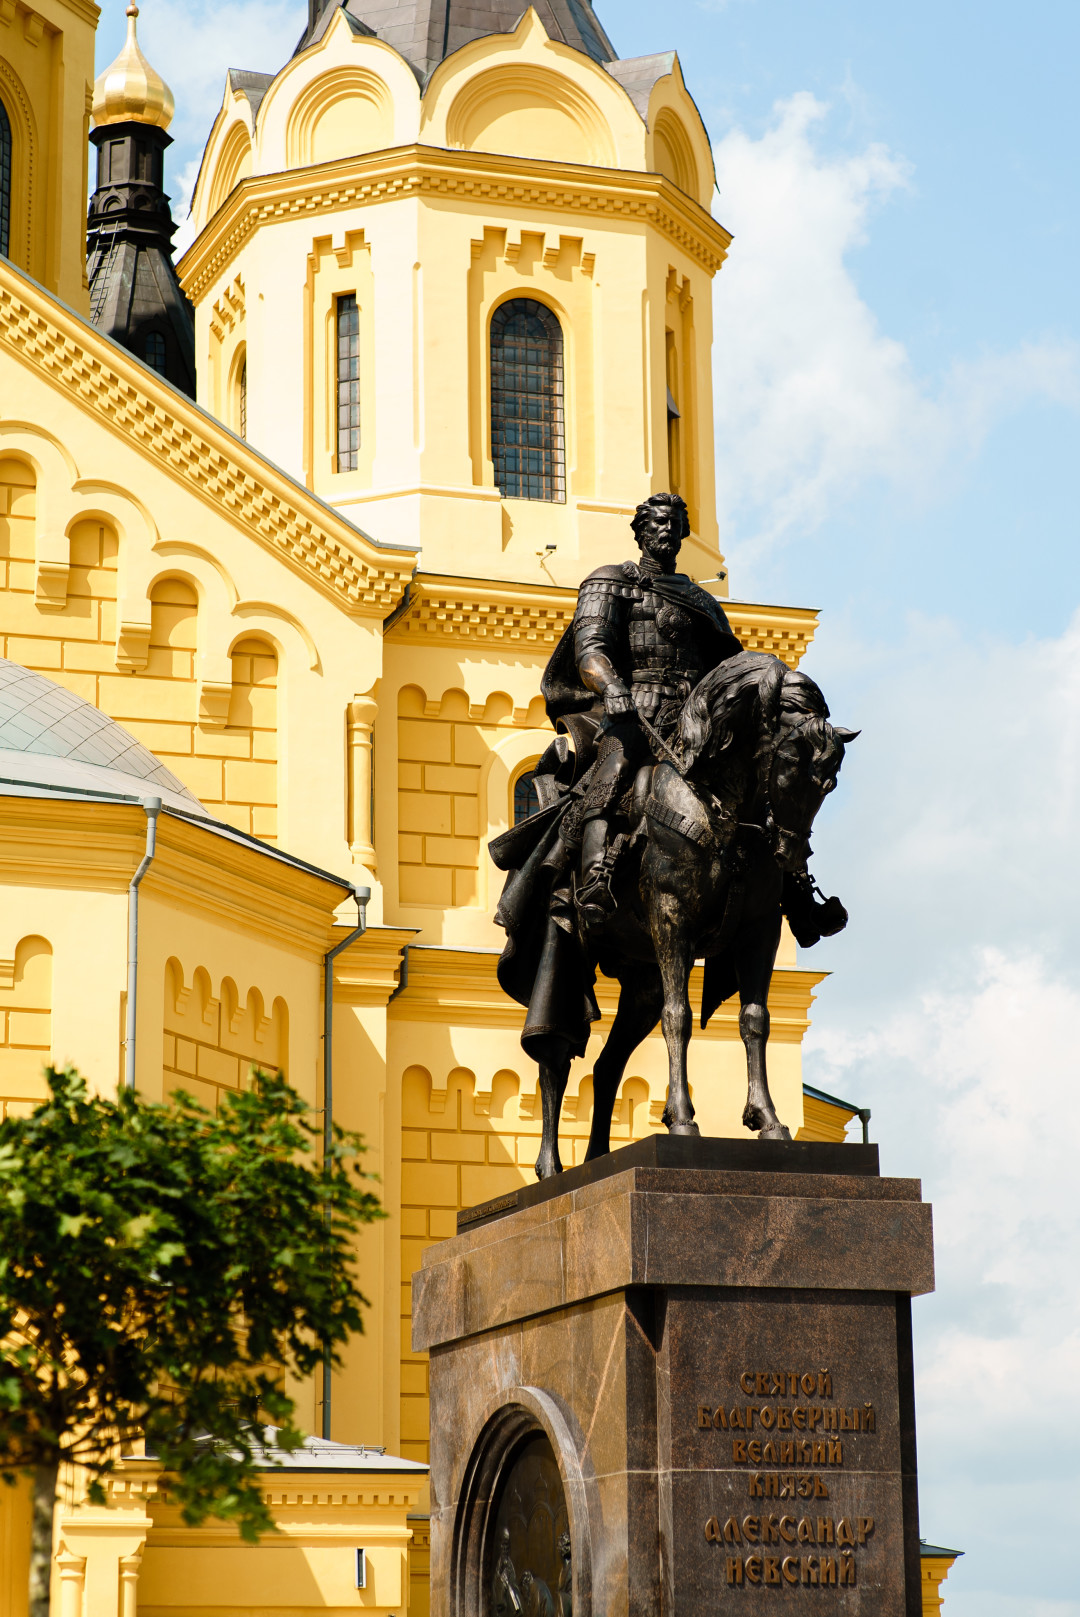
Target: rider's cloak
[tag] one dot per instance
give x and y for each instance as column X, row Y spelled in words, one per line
column 543, row 965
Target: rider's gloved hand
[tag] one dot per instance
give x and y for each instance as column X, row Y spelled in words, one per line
column 618, row 703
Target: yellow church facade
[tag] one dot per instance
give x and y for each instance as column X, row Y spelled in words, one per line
column 319, row 599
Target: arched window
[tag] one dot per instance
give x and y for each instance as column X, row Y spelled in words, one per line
column 526, row 802
column 154, row 350
column 527, row 401
column 243, row 397
column 5, row 180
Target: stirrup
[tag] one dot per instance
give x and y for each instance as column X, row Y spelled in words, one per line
column 594, row 901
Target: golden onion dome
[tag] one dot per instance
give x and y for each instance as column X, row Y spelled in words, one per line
column 131, row 91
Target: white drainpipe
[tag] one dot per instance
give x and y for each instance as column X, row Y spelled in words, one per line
column 152, row 806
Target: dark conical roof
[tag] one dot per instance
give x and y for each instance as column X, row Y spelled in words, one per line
column 135, row 297
column 426, row 31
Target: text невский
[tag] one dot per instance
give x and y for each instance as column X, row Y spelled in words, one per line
column 843, row 1536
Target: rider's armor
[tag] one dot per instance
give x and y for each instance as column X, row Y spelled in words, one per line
column 659, row 647
column 660, row 633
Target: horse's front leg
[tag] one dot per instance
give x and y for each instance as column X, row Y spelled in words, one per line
column 755, row 955
column 674, row 959
column 640, row 999
column 553, row 1076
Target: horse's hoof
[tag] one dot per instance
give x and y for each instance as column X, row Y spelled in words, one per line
column 775, row 1131
column 547, row 1169
column 684, row 1128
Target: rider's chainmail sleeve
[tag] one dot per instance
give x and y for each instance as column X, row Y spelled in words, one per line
column 600, row 620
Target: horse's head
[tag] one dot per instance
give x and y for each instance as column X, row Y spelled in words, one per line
column 758, row 733
column 805, row 764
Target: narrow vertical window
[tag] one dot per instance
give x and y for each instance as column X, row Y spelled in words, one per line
column 348, row 383
column 527, row 401
column 526, row 802
column 674, row 415
column 5, row 180
column 243, row 399
column 154, row 350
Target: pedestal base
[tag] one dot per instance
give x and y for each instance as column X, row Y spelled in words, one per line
column 660, row 1388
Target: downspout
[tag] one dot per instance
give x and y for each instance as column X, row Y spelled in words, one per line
column 361, row 895
column 152, row 806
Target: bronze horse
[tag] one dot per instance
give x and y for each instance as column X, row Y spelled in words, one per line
column 713, row 834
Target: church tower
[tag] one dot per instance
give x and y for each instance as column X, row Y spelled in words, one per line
column 134, row 294
column 483, row 256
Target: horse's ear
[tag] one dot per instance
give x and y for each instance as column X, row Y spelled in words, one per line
column 846, row 736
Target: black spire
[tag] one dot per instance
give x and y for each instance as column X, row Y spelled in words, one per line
column 135, row 296
column 426, row 31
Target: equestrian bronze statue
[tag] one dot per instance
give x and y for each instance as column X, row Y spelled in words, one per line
column 676, row 802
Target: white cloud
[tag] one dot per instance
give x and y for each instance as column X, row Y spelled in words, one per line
column 991, row 1112
column 955, row 1014
column 194, row 42
column 183, row 191
column 812, row 397
column 956, row 823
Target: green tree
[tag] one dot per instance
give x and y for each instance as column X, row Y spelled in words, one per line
column 161, row 1270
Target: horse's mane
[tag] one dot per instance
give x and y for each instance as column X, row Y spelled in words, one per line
column 753, row 692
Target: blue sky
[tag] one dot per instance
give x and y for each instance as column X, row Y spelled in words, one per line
column 898, row 432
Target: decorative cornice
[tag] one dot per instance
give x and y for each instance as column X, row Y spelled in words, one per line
column 244, row 886
column 786, row 631
column 139, row 1482
column 459, row 987
column 235, row 481
column 490, row 613
column 96, row 846
column 369, row 970
column 416, row 170
column 484, row 612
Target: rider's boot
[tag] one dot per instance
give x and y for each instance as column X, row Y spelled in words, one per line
column 594, row 900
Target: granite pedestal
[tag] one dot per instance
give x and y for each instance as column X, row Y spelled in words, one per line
column 679, row 1380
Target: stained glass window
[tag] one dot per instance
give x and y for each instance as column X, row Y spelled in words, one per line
column 526, row 802
column 154, row 350
column 348, row 383
column 5, row 180
column 527, row 401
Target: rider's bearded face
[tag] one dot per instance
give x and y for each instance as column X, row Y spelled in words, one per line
column 660, row 538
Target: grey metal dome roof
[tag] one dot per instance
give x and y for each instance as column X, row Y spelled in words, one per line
column 50, row 737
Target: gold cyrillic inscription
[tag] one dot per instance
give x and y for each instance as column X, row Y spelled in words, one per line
column 792, row 1569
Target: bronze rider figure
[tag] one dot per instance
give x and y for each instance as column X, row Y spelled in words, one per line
column 642, row 637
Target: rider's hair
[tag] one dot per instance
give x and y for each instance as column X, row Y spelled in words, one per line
column 647, row 509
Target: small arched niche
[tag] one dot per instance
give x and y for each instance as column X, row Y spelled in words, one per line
column 673, row 154
column 525, row 111
column 342, row 114
column 521, row 1539
column 233, row 165
column 528, row 1550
